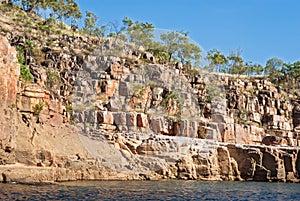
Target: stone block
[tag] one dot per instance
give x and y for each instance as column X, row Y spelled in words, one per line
column 110, row 88
column 256, row 117
column 123, row 89
column 142, row 120
column 261, row 173
column 105, row 117
column 272, row 111
column 218, row 118
column 119, row 118
column 229, row 134
column 122, row 128
column 286, row 126
column 131, row 119
column 56, row 120
column 157, row 125
column 242, row 134
column 9, row 73
column 117, row 69
column 188, row 128
column 90, row 116
column 211, row 133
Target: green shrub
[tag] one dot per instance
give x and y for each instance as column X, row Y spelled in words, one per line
column 38, row 108
column 25, row 74
column 243, row 116
column 69, row 108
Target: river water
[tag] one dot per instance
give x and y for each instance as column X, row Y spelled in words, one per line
column 152, row 190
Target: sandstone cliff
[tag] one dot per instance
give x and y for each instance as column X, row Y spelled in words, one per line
column 103, row 109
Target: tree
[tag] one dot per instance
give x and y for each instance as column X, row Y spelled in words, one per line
column 236, row 63
column 189, row 53
column 170, row 42
column 67, row 9
column 117, row 31
column 64, row 9
column 179, row 47
column 217, row 59
column 273, row 67
column 139, row 33
column 90, row 25
column 258, row 69
column 291, row 74
column 32, row 5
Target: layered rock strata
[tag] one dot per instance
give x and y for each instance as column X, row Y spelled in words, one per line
column 138, row 120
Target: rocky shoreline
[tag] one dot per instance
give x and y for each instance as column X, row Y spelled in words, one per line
column 158, row 157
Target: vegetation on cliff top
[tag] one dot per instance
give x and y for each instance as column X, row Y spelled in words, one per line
column 171, row 47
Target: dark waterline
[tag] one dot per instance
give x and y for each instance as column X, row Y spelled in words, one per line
column 152, row 190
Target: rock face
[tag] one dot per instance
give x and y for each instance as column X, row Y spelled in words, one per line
column 232, row 114
column 190, row 158
column 92, row 112
column 9, row 76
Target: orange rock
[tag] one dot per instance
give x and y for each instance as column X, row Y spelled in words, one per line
column 105, row 117
column 9, row 74
column 142, row 120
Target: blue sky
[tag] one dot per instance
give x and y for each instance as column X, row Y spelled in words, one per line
column 262, row 29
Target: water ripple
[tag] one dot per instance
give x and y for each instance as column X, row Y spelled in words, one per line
column 152, row 190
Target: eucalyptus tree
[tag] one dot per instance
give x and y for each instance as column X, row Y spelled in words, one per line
column 218, row 61
column 179, row 47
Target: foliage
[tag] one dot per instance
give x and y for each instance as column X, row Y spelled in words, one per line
column 139, row 33
column 253, row 69
column 32, row 5
column 213, row 92
column 90, row 25
column 138, row 90
column 273, row 68
column 60, row 9
column 290, row 76
column 233, row 64
column 236, row 63
column 218, row 60
column 25, row 74
column 242, row 116
column 65, row 9
column 69, row 108
column 38, row 108
column 179, row 47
